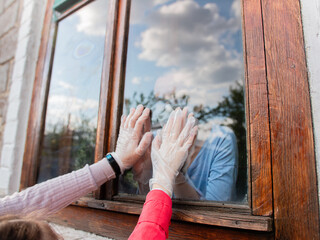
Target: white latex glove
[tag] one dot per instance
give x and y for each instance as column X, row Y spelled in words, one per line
column 169, row 150
column 142, row 169
column 132, row 143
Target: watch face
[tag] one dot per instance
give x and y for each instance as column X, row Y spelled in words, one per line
column 109, row 156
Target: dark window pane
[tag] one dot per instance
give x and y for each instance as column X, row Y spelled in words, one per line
column 189, row 53
column 72, row 110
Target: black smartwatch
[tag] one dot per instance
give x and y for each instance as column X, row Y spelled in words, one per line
column 113, row 163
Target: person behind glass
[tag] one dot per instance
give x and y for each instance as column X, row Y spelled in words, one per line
column 210, row 172
column 22, row 213
column 212, row 175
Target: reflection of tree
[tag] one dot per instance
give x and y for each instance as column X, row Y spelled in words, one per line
column 231, row 108
column 152, row 101
column 65, row 149
column 84, row 140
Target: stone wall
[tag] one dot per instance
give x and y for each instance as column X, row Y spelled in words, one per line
column 10, row 13
column 19, row 49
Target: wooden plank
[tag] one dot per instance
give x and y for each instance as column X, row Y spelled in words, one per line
column 72, row 9
column 119, row 71
column 119, row 226
column 124, row 197
column 258, row 119
column 117, row 90
column 103, row 123
column 296, row 213
column 216, row 216
column 38, row 102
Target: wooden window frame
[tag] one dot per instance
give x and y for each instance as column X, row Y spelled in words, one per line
column 282, row 197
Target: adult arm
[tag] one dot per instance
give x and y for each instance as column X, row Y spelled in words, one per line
column 155, row 218
column 169, row 152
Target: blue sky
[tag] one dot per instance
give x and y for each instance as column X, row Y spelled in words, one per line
column 199, row 55
column 77, row 65
column 191, row 46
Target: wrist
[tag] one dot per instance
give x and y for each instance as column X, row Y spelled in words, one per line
column 166, row 186
column 156, row 186
column 117, row 164
column 181, row 178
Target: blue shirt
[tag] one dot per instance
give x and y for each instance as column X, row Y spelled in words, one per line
column 214, row 171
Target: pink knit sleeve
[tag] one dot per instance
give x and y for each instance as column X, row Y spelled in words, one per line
column 51, row 196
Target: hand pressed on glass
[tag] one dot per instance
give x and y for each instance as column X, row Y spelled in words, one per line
column 170, row 150
column 132, row 142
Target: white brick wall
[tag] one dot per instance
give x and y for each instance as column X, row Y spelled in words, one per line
column 19, row 100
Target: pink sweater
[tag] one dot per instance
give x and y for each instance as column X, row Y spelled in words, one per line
column 49, row 197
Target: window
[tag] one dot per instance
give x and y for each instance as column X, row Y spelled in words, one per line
column 71, row 116
column 179, row 53
column 120, row 74
column 189, row 53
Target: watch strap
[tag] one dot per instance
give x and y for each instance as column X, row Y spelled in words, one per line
column 113, row 163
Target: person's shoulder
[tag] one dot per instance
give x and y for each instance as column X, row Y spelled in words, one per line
column 222, row 132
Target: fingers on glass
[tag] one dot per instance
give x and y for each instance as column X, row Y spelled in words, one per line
column 123, row 120
column 177, row 124
column 191, row 138
column 184, row 115
column 159, row 134
column 144, row 144
column 168, row 126
column 186, row 130
column 137, row 113
column 156, row 142
column 126, row 124
column 142, row 120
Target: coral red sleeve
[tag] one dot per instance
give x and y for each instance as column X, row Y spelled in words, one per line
column 155, row 218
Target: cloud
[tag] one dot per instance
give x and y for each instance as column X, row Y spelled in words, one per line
column 191, row 83
column 236, row 9
column 136, row 80
column 65, row 85
column 192, row 44
column 61, row 106
column 92, row 18
column 139, row 9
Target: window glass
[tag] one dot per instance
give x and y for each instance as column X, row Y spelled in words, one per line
column 189, row 53
column 71, row 118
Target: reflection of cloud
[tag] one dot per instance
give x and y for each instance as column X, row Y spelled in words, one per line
column 61, row 106
column 236, row 9
column 92, row 18
column 190, row 39
column 65, row 85
column 140, row 7
column 136, row 80
column 199, row 83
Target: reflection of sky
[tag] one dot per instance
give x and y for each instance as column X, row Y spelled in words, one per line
column 191, row 46
column 76, row 72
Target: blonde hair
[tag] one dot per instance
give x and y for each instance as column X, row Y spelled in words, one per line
column 13, row 227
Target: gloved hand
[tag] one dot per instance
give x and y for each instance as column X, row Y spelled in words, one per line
column 132, row 143
column 142, row 169
column 170, row 149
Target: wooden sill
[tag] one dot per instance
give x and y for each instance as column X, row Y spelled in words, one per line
column 217, row 214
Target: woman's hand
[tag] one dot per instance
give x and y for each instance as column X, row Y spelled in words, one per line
column 170, row 149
